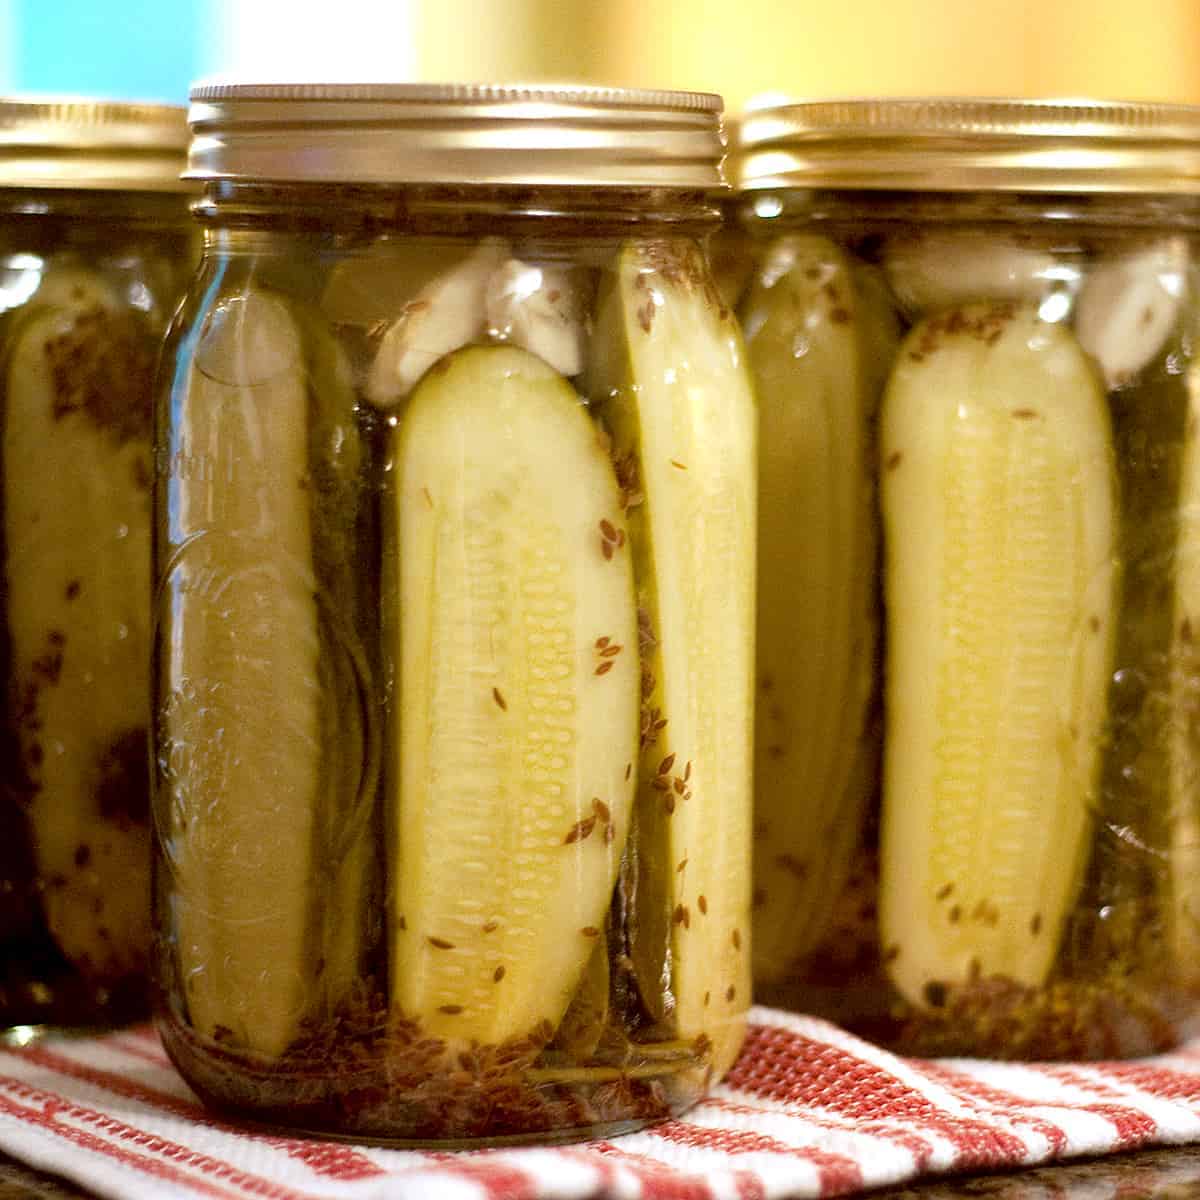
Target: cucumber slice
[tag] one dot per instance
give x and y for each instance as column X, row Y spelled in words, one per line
column 76, row 485
column 997, row 490
column 817, row 619
column 670, row 376
column 518, row 702
column 242, row 747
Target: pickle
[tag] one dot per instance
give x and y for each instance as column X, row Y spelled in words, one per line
column 347, row 831
column 1184, row 739
column 76, row 485
column 243, row 720
column 669, row 377
column 518, row 677
column 997, row 493
column 817, row 619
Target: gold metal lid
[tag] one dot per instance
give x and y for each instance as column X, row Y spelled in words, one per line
column 956, row 145
column 73, row 142
column 455, row 134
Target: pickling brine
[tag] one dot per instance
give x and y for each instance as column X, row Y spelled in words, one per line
column 454, row 661
column 976, row 757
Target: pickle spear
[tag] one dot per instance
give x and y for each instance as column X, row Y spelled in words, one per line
column 997, row 492
column 1184, row 739
column 243, row 718
column 670, row 379
column 76, row 451
column 518, row 678
column 817, row 620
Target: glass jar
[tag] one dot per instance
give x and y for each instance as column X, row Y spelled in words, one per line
column 454, row 623
column 94, row 246
column 973, row 326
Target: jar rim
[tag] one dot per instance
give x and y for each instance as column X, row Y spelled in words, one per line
column 80, row 142
column 463, row 134
column 953, row 144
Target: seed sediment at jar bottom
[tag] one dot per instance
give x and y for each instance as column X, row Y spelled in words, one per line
column 453, row 689
column 76, row 358
column 1019, row 872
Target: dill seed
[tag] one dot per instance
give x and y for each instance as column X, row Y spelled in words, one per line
column 660, row 783
column 893, row 460
column 611, row 651
column 731, row 991
column 601, row 642
column 681, row 916
column 403, row 923
column 605, row 667
column 606, row 549
column 498, row 974
column 667, row 763
column 661, row 723
column 628, row 770
column 687, row 771
column 680, row 786
column 944, row 891
column 702, row 904
column 490, row 926
column 707, row 998
column 499, row 699
column 580, row 830
column 590, row 931
column 683, row 862
column 955, row 914
column 678, row 465
column 608, row 530
column 1023, row 414
column 891, row 954
column 736, row 938
column 440, row 943
column 1035, row 925
column 428, row 497
column 669, row 803
column 451, row 1010
column 601, row 809
column 620, row 538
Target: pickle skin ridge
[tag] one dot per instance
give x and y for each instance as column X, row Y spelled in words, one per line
column 670, row 377
column 78, row 572
column 998, row 502
column 514, row 729
column 241, row 752
column 817, row 625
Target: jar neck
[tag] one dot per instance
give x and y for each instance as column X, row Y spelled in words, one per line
column 452, row 211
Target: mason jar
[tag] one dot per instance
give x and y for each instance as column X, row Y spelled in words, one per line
column 455, row 592
column 94, row 247
column 973, row 327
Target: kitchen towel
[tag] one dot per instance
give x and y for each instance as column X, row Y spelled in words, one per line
column 808, row 1110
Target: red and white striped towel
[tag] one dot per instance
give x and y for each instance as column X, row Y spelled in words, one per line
column 808, row 1111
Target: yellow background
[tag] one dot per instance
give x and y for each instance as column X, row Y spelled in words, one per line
column 1112, row 49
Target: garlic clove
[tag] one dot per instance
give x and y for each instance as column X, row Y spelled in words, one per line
column 1130, row 304
column 538, row 309
column 446, row 314
column 939, row 270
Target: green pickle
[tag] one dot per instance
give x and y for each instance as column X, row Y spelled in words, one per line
column 455, row 691
column 818, row 624
column 75, row 384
